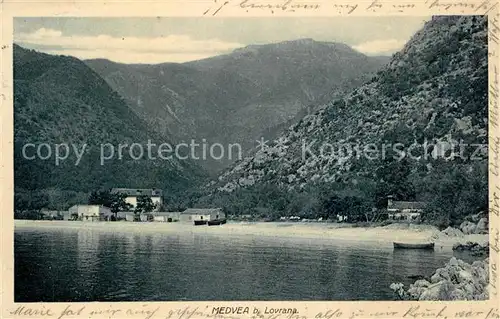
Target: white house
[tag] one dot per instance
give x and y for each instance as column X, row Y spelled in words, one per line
column 89, row 212
column 402, row 210
column 134, row 193
column 199, row 214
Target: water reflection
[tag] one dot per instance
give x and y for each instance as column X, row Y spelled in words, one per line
column 411, row 264
column 81, row 265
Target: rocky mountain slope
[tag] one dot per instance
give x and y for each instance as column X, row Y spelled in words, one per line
column 237, row 98
column 434, row 91
column 57, row 100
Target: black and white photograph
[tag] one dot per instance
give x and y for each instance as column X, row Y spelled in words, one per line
column 251, row 159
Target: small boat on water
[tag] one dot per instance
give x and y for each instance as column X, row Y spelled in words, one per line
column 200, row 222
column 216, row 222
column 413, row 245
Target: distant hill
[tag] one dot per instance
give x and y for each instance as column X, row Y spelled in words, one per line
column 435, row 91
column 239, row 97
column 59, row 99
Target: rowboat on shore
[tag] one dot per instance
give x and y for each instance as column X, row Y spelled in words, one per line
column 200, row 222
column 413, row 245
column 216, row 222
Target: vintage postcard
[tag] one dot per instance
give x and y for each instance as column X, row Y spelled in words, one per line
column 250, row 159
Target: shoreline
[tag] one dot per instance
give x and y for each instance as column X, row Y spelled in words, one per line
column 321, row 231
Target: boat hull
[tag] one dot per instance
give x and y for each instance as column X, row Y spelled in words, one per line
column 413, row 246
column 216, row 222
column 200, row 222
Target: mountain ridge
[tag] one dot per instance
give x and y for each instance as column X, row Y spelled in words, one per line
column 237, row 97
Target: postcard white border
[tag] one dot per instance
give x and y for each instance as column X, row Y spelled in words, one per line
column 230, row 8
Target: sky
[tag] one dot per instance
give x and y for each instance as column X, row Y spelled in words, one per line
column 158, row 40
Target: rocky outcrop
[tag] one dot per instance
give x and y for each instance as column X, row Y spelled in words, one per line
column 475, row 224
column 458, row 280
column 482, row 226
column 476, row 249
column 452, row 232
column 468, row 227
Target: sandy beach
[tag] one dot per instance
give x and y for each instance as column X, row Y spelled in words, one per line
column 322, row 231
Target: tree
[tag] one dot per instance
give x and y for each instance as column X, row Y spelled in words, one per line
column 455, row 191
column 144, row 205
column 331, row 206
column 103, row 198
column 355, row 207
column 28, row 204
column 115, row 201
column 118, row 203
column 392, row 179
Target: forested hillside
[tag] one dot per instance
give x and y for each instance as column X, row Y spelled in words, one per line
column 60, row 100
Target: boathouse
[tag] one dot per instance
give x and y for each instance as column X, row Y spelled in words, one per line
column 192, row 214
column 403, row 210
column 89, row 212
column 128, row 216
column 166, row 217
